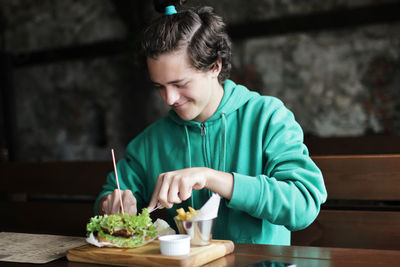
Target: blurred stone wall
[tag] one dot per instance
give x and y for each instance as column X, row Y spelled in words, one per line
column 36, row 25
column 77, row 109
column 338, row 83
column 238, row 11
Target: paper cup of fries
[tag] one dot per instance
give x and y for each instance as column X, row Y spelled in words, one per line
column 199, row 230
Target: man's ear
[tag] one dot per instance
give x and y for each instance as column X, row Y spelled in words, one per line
column 215, row 68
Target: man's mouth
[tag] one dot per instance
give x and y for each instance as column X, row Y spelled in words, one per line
column 179, row 106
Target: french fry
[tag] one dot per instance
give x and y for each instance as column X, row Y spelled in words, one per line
column 183, row 216
column 192, row 210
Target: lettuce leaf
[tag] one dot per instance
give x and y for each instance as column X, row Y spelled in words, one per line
column 140, row 227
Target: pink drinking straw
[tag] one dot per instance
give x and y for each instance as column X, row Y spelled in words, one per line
column 116, row 178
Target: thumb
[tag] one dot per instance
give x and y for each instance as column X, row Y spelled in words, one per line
column 154, row 197
column 153, row 203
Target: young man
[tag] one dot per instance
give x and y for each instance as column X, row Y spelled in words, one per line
column 218, row 137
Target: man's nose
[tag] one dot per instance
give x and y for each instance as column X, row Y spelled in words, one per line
column 171, row 95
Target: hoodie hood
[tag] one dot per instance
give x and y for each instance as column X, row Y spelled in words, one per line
column 235, row 96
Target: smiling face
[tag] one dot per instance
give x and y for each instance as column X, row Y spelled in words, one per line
column 192, row 94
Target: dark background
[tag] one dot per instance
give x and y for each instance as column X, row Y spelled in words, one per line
column 72, row 83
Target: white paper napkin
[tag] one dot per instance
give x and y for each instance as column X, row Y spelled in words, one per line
column 209, row 209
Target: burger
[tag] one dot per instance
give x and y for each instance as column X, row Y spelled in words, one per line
column 123, row 230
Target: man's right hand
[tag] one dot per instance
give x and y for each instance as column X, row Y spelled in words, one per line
column 110, row 204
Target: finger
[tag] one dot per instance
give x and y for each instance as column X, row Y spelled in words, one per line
column 154, row 197
column 131, row 210
column 163, row 194
column 199, row 181
column 110, row 204
column 185, row 191
column 105, row 209
column 115, row 204
column 173, row 193
column 129, row 200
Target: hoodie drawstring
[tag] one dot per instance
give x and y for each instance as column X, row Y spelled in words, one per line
column 189, row 157
column 223, row 137
column 189, row 153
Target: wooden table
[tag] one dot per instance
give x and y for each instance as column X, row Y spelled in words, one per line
column 248, row 254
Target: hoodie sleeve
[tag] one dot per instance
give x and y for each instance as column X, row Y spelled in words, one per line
column 291, row 189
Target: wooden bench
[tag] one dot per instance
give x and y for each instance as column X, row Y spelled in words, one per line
column 363, row 207
column 362, row 211
column 51, row 197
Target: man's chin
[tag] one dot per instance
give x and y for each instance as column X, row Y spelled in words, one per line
column 185, row 117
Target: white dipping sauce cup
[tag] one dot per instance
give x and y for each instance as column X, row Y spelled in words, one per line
column 174, row 245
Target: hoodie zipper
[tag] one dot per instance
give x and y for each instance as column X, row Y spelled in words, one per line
column 203, row 129
column 204, row 136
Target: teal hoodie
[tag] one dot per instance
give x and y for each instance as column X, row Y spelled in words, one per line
column 277, row 187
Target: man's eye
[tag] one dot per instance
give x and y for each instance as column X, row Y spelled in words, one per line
column 181, row 85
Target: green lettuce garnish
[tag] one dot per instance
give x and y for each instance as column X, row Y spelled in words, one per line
column 139, row 227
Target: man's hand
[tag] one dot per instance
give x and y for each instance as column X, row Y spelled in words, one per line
column 110, row 204
column 177, row 186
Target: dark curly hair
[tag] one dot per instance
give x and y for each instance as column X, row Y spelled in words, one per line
column 200, row 31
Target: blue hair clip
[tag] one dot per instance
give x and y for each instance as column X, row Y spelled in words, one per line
column 170, row 10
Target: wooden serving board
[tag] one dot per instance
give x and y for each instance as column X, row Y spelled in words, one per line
column 149, row 255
